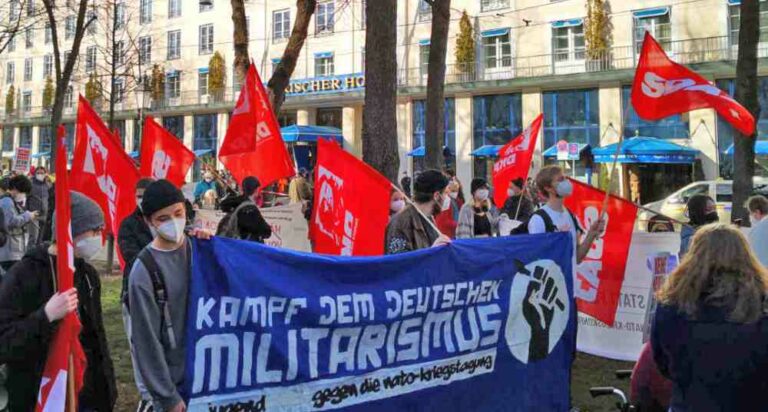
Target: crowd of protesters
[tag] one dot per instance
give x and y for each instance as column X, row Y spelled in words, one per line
column 714, row 303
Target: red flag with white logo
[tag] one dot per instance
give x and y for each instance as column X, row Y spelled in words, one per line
column 163, row 155
column 599, row 276
column 101, row 169
column 662, row 88
column 351, row 206
column 65, row 355
column 253, row 145
column 515, row 160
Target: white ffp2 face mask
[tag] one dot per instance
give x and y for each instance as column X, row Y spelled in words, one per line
column 88, row 247
column 172, row 230
column 446, row 203
column 397, row 205
column 482, row 194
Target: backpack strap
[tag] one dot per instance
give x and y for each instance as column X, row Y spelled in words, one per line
column 160, row 292
column 579, row 229
column 549, row 225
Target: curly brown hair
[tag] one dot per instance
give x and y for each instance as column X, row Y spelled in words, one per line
column 719, row 270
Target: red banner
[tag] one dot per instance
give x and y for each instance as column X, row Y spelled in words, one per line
column 101, row 169
column 663, row 88
column 351, row 207
column 253, row 145
column 163, row 155
column 599, row 276
column 514, row 160
column 65, row 346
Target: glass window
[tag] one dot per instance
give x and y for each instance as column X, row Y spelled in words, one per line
column 206, row 39
column 120, row 15
column 69, row 27
column 12, row 44
column 120, row 130
column 568, row 43
column 25, row 136
column 44, row 142
column 10, row 72
column 286, row 119
column 205, row 136
column 281, row 24
column 8, row 138
column 119, row 88
column 724, row 192
column 449, row 128
column 30, row 8
column 202, row 83
column 29, row 37
column 26, row 102
column 658, row 26
column 120, row 52
column 145, row 11
column 173, row 85
column 324, row 17
column 14, row 10
column 672, row 127
column 424, row 58
column 90, row 59
column 28, row 69
column 90, row 19
column 424, row 13
column 488, row 5
column 145, row 50
column 174, row 44
column 331, row 116
column 497, row 119
column 48, row 33
column 69, row 97
column 498, row 51
column 726, row 133
column 573, row 116
column 174, row 8
column 324, row 66
column 175, row 125
column 734, row 19
column 47, row 66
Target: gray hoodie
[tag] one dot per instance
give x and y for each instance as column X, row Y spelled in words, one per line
column 17, row 222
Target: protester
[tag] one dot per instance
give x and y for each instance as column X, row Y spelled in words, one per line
column 162, row 269
column 246, row 221
column 448, row 219
column 710, row 332
column 555, row 217
column 299, row 190
column 134, row 234
column 396, row 203
column 17, row 220
column 758, row 235
column 405, row 184
column 30, row 312
column 203, row 186
column 701, row 211
column 410, row 230
column 518, row 205
column 479, row 218
column 38, row 202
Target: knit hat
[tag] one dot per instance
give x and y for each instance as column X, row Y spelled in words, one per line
column 478, row 183
column 250, row 184
column 159, row 195
column 429, row 182
column 518, row 182
column 85, row 214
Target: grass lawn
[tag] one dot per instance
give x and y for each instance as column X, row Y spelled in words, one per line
column 588, row 370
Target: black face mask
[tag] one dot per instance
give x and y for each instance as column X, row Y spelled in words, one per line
column 711, row 217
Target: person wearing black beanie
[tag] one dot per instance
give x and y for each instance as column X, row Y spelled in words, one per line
column 246, row 221
column 414, row 227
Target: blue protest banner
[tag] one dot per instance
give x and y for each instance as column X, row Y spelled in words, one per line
column 482, row 325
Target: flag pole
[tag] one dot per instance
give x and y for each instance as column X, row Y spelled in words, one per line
column 520, row 202
column 408, row 199
column 615, row 158
column 71, row 393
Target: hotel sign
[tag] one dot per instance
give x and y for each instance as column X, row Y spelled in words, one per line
column 322, row 85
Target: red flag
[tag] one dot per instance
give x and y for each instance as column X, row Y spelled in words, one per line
column 101, row 169
column 163, row 156
column 65, row 347
column 599, row 277
column 662, row 88
column 515, row 160
column 253, row 145
column 351, row 208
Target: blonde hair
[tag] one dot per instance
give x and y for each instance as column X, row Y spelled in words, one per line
column 546, row 177
column 719, row 270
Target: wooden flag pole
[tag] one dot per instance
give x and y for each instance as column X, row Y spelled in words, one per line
column 71, row 394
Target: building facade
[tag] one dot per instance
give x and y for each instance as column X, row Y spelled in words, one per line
column 531, row 58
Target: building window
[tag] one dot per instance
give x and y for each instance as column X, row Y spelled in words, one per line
column 323, row 64
column 90, row 59
column 205, row 137
column 449, row 128
column 12, row 44
column 120, row 52
column 362, row 13
column 734, row 20
column 424, row 57
column 573, row 116
column 489, row 5
column 26, row 103
column 145, row 50
column 286, row 119
column 90, row 20
column 174, row 8
column 206, row 6
column 47, row 66
column 281, row 24
column 120, row 15
column 174, row 44
column 424, row 12
column 30, row 8
column 48, row 33
column 656, row 22
column 175, row 125
column 14, row 12
column 206, row 39
column 28, row 69
column 68, row 97
column 8, row 138
column 10, row 73
column 69, row 27
column 497, row 120
column 330, row 117
column 119, row 90
column 726, row 132
column 44, row 143
column 672, row 127
column 202, row 82
column 568, row 41
column 29, row 37
column 497, row 48
column 324, row 18
column 145, row 11
column 173, row 85
column 25, row 134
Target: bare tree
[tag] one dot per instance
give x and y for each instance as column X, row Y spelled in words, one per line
column 16, row 16
column 240, row 38
column 434, row 135
column 746, row 94
column 379, row 120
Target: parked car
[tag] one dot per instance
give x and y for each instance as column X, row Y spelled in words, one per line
column 674, row 205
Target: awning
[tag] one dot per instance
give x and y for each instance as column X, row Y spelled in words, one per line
column 421, row 151
column 276, row 60
column 202, row 152
column 734, row 2
column 660, row 11
column 567, row 23
column 761, row 148
column 488, row 150
column 295, row 133
column 41, row 154
column 641, row 149
column 202, row 70
column 552, row 151
column 424, row 42
column 323, row 55
column 495, row 32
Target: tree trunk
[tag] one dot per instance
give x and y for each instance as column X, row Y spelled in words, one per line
column 746, row 94
column 282, row 75
column 379, row 120
column 240, row 39
column 434, row 137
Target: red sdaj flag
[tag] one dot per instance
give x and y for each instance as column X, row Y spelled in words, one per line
column 515, row 160
column 163, row 155
column 65, row 354
column 253, row 145
column 662, row 88
column 600, row 275
column 101, row 169
column 351, row 207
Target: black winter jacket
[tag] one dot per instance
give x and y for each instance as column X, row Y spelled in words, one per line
column 26, row 334
column 133, row 236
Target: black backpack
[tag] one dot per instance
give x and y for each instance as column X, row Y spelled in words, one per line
column 549, row 225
